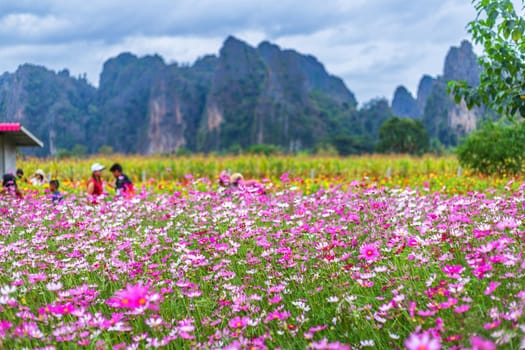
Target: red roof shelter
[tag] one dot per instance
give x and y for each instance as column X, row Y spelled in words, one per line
column 13, row 135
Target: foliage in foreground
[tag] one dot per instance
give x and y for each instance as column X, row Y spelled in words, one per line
column 349, row 266
column 499, row 28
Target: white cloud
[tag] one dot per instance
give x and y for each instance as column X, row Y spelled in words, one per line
column 30, row 26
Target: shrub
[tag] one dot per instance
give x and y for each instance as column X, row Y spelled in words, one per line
column 266, row 150
column 495, row 148
column 350, row 144
column 105, row 150
column 403, row 135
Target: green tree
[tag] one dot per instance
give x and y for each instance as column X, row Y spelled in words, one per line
column 79, row 150
column 351, row 144
column 105, row 150
column 496, row 148
column 183, row 152
column 372, row 115
column 499, row 29
column 403, row 135
column 266, row 150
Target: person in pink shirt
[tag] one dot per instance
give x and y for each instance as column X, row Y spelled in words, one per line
column 237, row 182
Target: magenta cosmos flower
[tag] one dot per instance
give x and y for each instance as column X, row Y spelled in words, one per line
column 133, row 297
column 369, row 252
column 478, row 343
column 238, row 322
column 422, row 342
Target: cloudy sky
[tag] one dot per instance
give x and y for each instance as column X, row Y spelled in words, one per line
column 374, row 45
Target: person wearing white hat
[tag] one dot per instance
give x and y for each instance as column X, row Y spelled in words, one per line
column 38, row 178
column 95, row 186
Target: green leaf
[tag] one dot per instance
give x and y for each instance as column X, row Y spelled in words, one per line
column 516, row 35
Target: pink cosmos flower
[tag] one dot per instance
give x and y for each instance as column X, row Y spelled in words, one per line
column 507, row 223
column 133, row 297
column 412, row 242
column 323, row 344
column 478, row 343
column 4, row 326
column 492, row 325
column 275, row 299
column 277, row 315
column 185, row 327
column 59, row 309
column 369, row 252
column 28, row 330
column 492, row 287
column 426, row 313
column 462, row 308
column 318, row 328
column 238, row 322
column 453, row 271
column 422, row 342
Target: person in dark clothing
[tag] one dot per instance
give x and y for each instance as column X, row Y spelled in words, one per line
column 21, row 179
column 9, row 185
column 56, row 196
column 123, row 185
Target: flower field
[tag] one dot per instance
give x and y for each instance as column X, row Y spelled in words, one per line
column 163, row 174
column 315, row 263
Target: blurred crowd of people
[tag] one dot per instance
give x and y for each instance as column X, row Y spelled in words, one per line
column 122, row 185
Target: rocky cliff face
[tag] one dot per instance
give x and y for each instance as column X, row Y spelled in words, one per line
column 236, row 86
column 264, row 95
column 461, row 63
column 245, row 96
column 150, row 107
column 55, row 107
column 125, row 98
column 404, row 104
column 175, row 108
column 242, row 97
column 442, row 118
column 423, row 92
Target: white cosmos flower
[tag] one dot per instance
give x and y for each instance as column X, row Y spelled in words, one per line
column 367, row 343
column 54, row 286
column 7, row 289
